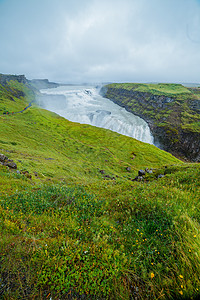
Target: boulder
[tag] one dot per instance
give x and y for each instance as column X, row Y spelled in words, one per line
column 102, row 171
column 138, row 178
column 10, row 164
column 141, row 173
column 2, row 157
column 148, row 171
column 161, row 176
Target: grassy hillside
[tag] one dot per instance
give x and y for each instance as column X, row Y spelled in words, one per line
column 172, row 111
column 73, row 222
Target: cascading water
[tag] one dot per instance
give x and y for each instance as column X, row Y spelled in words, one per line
column 84, row 104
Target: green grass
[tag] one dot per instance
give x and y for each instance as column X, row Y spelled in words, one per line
column 70, row 230
column 157, row 89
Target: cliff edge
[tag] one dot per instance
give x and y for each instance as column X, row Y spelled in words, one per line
column 171, row 110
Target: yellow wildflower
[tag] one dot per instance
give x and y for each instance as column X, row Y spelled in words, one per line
column 152, row 275
column 181, row 276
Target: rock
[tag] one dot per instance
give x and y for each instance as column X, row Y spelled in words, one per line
column 2, row 157
column 161, row 176
column 10, row 164
column 141, row 173
column 26, row 173
column 138, row 178
column 148, row 171
column 102, row 171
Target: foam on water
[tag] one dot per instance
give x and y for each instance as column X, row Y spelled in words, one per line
column 83, row 104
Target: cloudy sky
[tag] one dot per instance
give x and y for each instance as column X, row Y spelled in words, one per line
column 101, row 40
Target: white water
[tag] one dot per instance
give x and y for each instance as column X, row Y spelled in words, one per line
column 83, row 104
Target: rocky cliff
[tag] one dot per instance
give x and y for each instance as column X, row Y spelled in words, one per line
column 34, row 83
column 172, row 112
column 4, row 78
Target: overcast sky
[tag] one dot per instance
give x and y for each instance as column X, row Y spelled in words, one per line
column 101, row 40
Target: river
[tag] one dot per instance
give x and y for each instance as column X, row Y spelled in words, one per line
column 84, row 104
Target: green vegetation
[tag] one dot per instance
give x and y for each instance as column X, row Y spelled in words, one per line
column 168, row 89
column 80, row 225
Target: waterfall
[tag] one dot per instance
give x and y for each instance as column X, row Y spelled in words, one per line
column 85, row 105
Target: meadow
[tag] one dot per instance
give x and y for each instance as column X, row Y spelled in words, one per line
column 75, row 225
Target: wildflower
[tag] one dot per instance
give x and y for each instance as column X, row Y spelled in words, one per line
column 181, row 276
column 195, row 236
column 189, row 250
column 181, row 292
column 181, row 286
column 152, row 275
column 152, row 264
column 138, row 229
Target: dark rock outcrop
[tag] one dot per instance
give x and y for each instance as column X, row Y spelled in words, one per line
column 4, row 78
column 7, row 162
column 141, row 173
column 164, row 116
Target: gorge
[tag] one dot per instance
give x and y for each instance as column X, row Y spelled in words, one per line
column 85, row 105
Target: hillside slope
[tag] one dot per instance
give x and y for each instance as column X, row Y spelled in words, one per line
column 75, row 223
column 171, row 110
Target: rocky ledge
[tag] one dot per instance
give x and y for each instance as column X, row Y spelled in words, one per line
column 170, row 118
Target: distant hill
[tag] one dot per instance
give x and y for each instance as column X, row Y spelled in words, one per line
column 43, row 84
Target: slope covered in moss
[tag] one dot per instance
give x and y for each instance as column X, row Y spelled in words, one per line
column 73, row 222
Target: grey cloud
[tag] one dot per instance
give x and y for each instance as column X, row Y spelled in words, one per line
column 113, row 40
